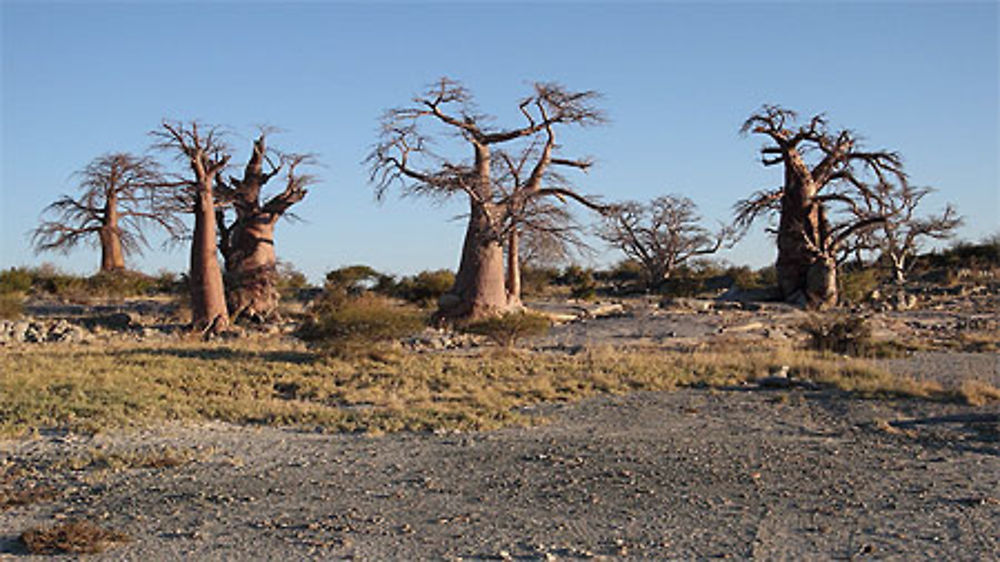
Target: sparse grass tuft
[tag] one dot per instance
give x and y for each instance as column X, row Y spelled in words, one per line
column 71, row 537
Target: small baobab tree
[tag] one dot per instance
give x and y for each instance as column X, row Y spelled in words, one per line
column 498, row 201
column 661, row 235
column 820, row 202
column 898, row 239
column 203, row 150
column 121, row 196
column 247, row 244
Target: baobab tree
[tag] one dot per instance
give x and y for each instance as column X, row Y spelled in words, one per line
column 898, row 238
column 826, row 177
column 204, row 151
column 497, row 200
column 661, row 235
column 122, row 195
column 248, row 243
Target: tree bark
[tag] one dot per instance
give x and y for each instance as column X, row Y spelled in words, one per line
column 805, row 276
column 251, row 268
column 208, row 298
column 513, row 269
column 479, row 289
column 112, row 254
column 248, row 245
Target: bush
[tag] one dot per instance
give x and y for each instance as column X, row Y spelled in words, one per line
column 424, row 288
column 353, row 278
column 857, row 286
column 536, row 281
column 15, row 280
column 290, row 280
column 581, row 282
column 11, row 306
column 348, row 325
column 120, row 284
column 844, row 334
column 507, row 329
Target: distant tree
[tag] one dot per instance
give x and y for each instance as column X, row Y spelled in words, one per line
column 247, row 244
column 898, row 239
column 661, row 235
column 121, row 196
column 819, row 205
column 499, row 202
column 204, row 151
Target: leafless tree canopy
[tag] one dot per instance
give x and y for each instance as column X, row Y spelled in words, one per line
column 898, row 238
column 511, row 176
column 662, row 234
column 121, row 196
column 821, row 204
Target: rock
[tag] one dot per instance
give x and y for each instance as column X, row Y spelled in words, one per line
column 701, row 305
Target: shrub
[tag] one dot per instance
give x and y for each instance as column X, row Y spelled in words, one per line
column 857, row 286
column 684, row 285
column 507, row 329
column 15, row 280
column 424, row 288
column 72, row 537
column 290, row 280
column 346, row 325
column 11, row 306
column 845, row 334
column 353, row 278
column 536, row 281
column 581, row 282
column 120, row 284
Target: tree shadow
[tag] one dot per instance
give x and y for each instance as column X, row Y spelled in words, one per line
column 226, row 353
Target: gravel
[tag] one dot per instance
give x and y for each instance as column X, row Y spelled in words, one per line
column 694, row 474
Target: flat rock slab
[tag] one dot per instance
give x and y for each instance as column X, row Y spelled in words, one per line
column 694, row 474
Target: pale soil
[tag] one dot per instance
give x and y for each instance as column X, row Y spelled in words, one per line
column 694, row 474
column 742, row 473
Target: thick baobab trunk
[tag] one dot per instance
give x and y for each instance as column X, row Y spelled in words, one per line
column 112, row 254
column 479, row 289
column 805, row 276
column 251, row 268
column 513, row 269
column 208, row 297
column 112, row 257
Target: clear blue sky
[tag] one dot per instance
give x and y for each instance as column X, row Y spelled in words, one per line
column 81, row 79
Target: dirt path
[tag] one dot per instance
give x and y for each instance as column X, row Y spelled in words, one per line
column 693, row 474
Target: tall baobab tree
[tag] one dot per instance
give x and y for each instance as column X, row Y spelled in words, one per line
column 122, row 195
column 826, row 177
column 404, row 155
column 248, row 243
column 204, row 151
column 661, row 235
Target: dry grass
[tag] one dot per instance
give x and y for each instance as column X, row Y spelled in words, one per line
column 88, row 389
column 95, row 459
column 72, row 537
column 978, row 393
column 17, row 490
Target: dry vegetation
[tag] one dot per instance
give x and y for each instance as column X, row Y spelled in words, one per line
column 88, row 389
column 71, row 537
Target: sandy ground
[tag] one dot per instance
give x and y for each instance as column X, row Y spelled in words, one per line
column 741, row 473
column 695, row 474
